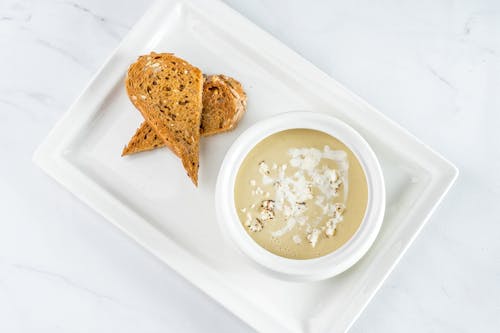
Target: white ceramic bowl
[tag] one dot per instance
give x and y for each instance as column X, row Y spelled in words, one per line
column 304, row 269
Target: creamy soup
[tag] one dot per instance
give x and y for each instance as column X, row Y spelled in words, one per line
column 301, row 193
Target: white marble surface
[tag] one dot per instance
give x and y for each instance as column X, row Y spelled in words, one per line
column 432, row 66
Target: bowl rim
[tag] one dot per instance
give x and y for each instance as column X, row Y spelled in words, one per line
column 318, row 268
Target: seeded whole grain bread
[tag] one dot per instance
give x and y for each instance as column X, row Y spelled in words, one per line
column 224, row 103
column 168, row 92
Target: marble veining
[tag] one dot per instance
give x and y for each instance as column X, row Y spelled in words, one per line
column 61, row 278
column 439, row 77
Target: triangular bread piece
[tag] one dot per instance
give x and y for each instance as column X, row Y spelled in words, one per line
column 144, row 139
column 224, row 103
column 168, row 92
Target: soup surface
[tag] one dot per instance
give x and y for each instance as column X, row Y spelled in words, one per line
column 301, row 193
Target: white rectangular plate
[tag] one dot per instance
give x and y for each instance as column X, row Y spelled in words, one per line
column 150, row 198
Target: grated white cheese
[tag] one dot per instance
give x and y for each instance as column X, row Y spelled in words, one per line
column 301, row 182
column 296, row 239
column 313, row 237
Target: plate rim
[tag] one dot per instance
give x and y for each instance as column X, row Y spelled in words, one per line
column 50, row 158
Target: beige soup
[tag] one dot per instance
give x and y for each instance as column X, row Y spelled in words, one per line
column 301, row 193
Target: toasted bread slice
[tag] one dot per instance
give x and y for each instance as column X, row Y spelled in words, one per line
column 168, row 92
column 144, row 139
column 224, row 103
